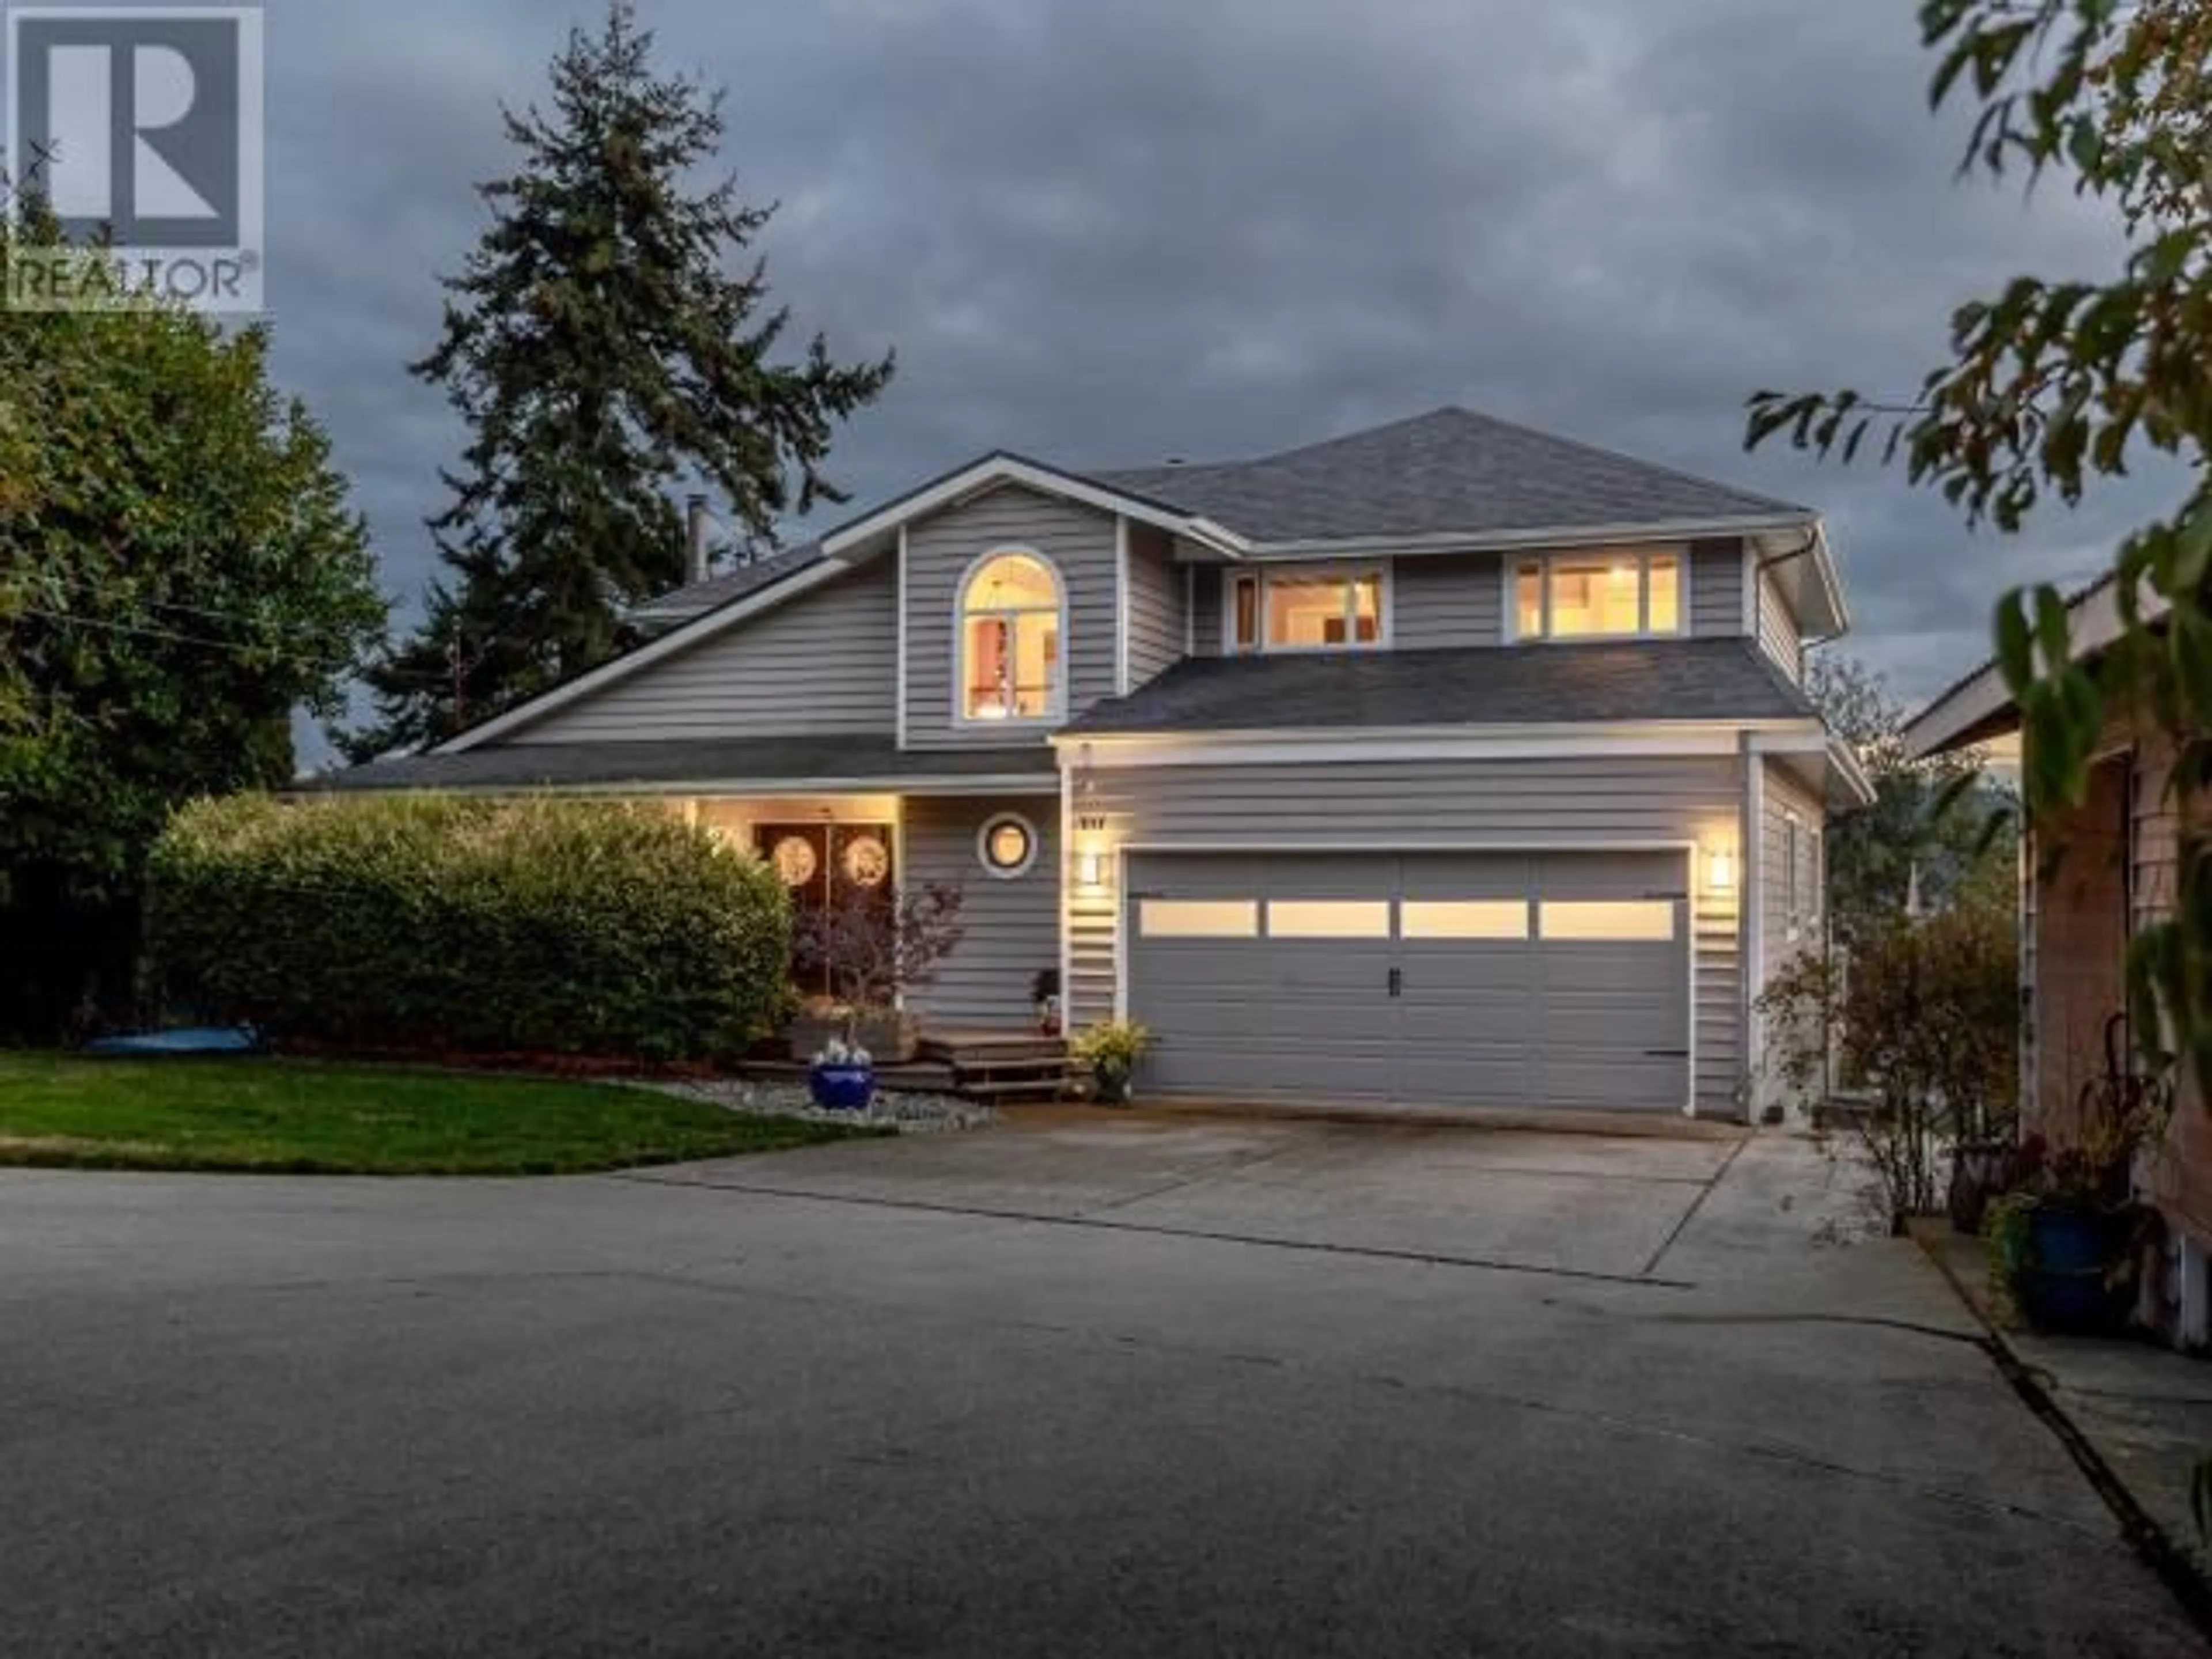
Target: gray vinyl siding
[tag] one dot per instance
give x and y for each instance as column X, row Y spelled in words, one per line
column 1784, row 795
column 1079, row 540
column 1206, row 611
column 1158, row 605
column 1778, row 628
column 824, row 661
column 1716, row 589
column 1444, row 600
column 1562, row 804
column 1782, row 941
column 1013, row 927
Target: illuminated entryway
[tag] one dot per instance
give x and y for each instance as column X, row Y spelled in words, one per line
column 1494, row 979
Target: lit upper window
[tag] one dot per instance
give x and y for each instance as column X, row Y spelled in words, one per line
column 1010, row 629
column 1283, row 611
column 1598, row 596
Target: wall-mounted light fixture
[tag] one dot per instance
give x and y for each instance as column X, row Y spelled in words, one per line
column 1091, row 853
column 1720, row 869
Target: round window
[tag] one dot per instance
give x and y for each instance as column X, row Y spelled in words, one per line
column 867, row 862
column 796, row 861
column 1007, row 845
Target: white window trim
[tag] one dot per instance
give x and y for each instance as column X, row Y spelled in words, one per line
column 1056, row 714
column 1793, row 874
column 1510, row 593
column 999, row 821
column 1259, row 576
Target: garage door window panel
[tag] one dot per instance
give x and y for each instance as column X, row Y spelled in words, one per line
column 1228, row 919
column 1504, row 921
column 1329, row 919
column 1607, row 920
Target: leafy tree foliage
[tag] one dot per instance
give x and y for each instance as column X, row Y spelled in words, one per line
column 601, row 351
column 1936, row 823
column 179, row 572
column 2055, row 386
column 1923, row 1009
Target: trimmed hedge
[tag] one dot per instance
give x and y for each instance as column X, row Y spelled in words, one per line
column 448, row 924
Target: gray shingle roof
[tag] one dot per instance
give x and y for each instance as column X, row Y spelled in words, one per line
column 797, row 759
column 1722, row 679
column 1449, row 471
column 731, row 584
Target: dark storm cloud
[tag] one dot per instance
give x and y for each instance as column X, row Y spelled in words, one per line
column 1204, row 228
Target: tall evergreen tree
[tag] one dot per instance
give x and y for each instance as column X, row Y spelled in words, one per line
column 601, row 351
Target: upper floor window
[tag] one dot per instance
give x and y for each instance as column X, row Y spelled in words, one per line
column 1304, row 611
column 1013, row 614
column 1598, row 595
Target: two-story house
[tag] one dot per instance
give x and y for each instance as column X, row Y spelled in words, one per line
column 1446, row 762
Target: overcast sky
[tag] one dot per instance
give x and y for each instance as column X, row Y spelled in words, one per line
column 1113, row 231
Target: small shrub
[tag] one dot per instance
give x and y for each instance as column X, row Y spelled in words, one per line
column 442, row 923
column 1928, row 1012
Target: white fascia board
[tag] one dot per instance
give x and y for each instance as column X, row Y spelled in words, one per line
column 1498, row 541
column 1675, row 739
column 1122, row 604
column 1846, row 784
column 1000, row 469
column 1009, row 783
column 1807, row 569
column 899, row 711
column 1845, row 769
column 695, row 632
column 1831, row 582
column 2094, row 625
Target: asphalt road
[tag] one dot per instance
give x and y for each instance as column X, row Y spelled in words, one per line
column 1146, row 1390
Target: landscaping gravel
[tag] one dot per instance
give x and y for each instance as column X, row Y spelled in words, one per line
column 910, row 1115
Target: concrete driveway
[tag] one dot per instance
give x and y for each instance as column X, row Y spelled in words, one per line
column 1605, row 1207
column 1079, row 1387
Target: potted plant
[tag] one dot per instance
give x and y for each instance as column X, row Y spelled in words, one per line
column 1044, row 993
column 1112, row 1051
column 2060, row 1245
column 2063, row 1238
column 876, row 944
column 842, row 1077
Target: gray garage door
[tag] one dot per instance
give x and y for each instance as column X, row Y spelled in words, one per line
column 1555, row 979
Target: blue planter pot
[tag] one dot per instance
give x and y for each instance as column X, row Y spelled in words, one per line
column 842, row 1088
column 2071, row 1252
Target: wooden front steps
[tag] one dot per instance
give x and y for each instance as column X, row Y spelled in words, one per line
column 990, row 1067
column 1003, row 1067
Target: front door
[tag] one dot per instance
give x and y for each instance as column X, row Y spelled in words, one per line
column 823, row 865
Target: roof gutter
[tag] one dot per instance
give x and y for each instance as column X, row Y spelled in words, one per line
column 1546, row 537
column 1815, row 546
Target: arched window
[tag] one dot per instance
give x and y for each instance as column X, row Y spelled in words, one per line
column 1012, row 611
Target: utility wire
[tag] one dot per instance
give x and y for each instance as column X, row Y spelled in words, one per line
column 239, row 647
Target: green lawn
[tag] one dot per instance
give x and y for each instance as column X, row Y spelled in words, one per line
column 283, row 1116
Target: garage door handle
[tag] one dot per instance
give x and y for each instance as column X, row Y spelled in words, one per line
column 1666, row 1053
column 1397, row 981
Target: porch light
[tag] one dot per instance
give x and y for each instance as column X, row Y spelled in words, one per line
column 1089, row 854
column 1720, row 870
